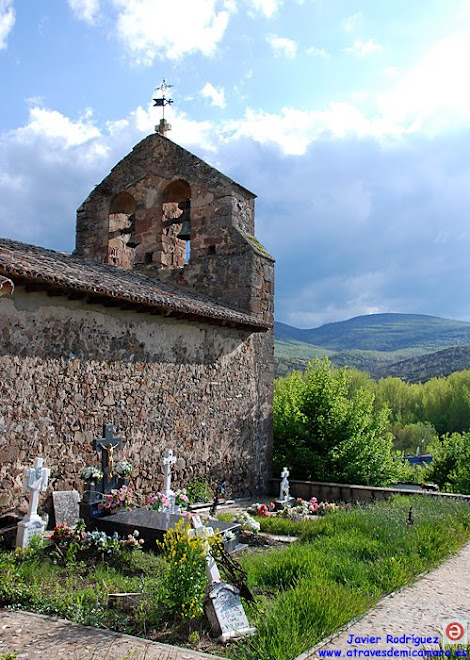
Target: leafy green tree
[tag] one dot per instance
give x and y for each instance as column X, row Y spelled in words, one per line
column 323, row 431
column 408, row 437
column 450, row 468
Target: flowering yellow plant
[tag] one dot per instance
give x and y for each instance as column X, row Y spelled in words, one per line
column 185, row 557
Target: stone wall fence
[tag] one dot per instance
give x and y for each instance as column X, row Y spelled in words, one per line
column 326, row 491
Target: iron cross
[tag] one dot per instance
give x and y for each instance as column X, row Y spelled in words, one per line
column 107, row 445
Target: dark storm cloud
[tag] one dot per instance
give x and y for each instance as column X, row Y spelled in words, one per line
column 357, row 227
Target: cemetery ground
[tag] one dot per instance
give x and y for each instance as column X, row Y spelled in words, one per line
column 340, row 565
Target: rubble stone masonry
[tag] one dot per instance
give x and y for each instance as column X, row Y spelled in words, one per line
column 68, row 367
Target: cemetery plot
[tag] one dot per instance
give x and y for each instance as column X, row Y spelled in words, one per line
column 337, row 569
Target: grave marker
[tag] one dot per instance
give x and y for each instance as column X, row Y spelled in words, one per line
column 167, row 461
column 107, row 445
column 35, row 481
column 66, row 507
column 222, row 604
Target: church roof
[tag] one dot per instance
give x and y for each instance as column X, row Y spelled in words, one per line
column 62, row 274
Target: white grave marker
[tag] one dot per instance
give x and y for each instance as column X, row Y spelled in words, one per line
column 167, row 461
column 222, row 604
column 35, row 481
column 284, row 492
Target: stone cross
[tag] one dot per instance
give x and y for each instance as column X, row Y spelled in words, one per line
column 107, row 445
column 35, row 481
column 167, row 461
column 284, row 492
column 204, row 532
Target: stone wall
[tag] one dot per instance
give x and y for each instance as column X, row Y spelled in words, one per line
column 66, row 368
column 326, row 491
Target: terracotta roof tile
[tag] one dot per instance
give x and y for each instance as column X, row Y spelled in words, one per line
column 59, row 271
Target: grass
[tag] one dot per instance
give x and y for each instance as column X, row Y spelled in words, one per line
column 340, row 566
column 281, row 526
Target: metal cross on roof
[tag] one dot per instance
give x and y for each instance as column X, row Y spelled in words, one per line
column 161, row 102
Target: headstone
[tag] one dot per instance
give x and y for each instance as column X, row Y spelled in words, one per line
column 222, row 604
column 153, row 525
column 66, row 507
column 225, row 612
column 167, row 461
column 35, row 481
column 284, row 496
column 93, row 493
column 203, row 532
column 284, row 492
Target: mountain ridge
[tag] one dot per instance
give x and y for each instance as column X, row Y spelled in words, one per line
column 375, row 342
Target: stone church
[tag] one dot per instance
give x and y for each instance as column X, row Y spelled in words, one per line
column 160, row 322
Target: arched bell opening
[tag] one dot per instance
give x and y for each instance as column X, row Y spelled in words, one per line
column 121, row 231
column 176, row 224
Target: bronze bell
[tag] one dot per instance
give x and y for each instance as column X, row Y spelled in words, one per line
column 185, row 219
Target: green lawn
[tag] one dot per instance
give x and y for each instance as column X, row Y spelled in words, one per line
column 344, row 564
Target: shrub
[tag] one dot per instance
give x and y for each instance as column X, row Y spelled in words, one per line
column 185, row 558
column 450, row 467
column 199, row 490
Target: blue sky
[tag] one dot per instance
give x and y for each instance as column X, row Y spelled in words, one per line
column 350, row 119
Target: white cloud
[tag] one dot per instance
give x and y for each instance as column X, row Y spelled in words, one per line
column 58, row 128
column 216, row 96
column 434, row 95
column 351, row 23
column 85, row 10
column 316, row 52
column 362, row 48
column 267, row 7
column 282, row 46
column 151, row 29
column 7, row 21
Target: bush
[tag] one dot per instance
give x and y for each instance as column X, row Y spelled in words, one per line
column 185, row 558
column 199, row 490
column 450, row 467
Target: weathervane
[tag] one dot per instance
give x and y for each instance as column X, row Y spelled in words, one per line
column 161, row 102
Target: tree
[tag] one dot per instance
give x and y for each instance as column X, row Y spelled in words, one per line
column 450, row 467
column 324, row 431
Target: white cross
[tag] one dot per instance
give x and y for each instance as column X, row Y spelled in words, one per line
column 203, row 532
column 167, row 461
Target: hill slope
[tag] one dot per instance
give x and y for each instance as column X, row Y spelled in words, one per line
column 382, row 332
column 422, row 368
column 375, row 342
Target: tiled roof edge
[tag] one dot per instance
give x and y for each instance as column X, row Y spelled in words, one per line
column 57, row 270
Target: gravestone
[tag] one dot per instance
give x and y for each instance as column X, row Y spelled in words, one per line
column 153, row 525
column 284, row 496
column 167, row 461
column 222, row 604
column 66, row 505
column 107, row 445
column 93, row 494
column 225, row 612
column 35, row 481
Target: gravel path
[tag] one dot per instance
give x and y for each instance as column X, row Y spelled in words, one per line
column 419, row 609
